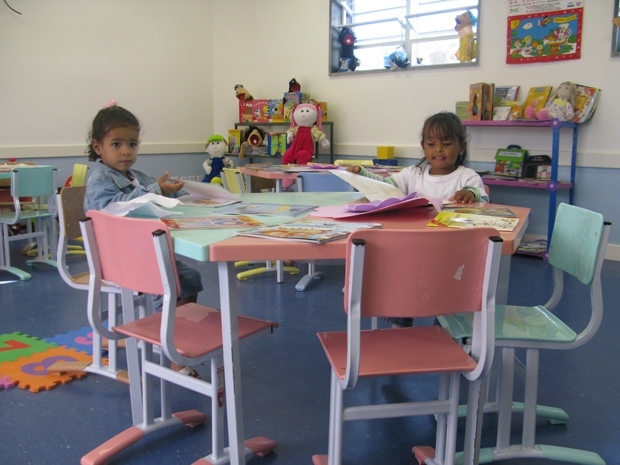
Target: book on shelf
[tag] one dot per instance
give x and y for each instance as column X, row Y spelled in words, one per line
column 501, row 113
column 537, row 97
column 266, row 209
column 503, row 94
column 451, row 219
column 486, row 211
column 586, row 101
column 210, row 222
column 481, row 101
column 315, row 231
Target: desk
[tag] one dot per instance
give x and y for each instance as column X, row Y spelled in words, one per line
column 221, row 247
column 266, row 174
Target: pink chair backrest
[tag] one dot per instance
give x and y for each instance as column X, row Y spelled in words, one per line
column 127, row 253
column 422, row 273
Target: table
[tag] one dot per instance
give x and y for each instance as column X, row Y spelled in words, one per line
column 267, row 174
column 220, row 246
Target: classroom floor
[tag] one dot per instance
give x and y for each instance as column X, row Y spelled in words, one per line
column 286, row 379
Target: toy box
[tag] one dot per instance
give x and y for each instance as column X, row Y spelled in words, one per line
column 385, row 152
column 260, row 111
column 537, row 166
column 509, row 162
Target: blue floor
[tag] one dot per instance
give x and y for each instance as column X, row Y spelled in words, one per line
column 286, row 379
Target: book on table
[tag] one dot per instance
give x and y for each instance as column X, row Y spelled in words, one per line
column 266, row 209
column 487, row 211
column 204, row 194
column 315, row 231
column 210, row 222
column 450, row 219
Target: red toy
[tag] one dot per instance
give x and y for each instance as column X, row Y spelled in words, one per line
column 306, row 129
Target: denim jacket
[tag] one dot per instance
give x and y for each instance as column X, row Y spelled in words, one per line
column 106, row 185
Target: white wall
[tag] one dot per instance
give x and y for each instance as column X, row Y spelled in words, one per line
column 62, row 60
column 264, row 44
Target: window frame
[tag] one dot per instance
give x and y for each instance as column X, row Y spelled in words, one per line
column 336, row 12
column 615, row 38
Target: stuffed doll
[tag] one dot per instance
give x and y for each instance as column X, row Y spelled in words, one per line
column 348, row 61
column 306, row 129
column 561, row 104
column 467, row 41
column 216, row 147
column 396, row 59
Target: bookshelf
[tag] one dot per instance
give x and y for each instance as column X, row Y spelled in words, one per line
column 552, row 185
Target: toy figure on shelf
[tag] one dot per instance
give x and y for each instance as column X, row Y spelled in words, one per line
column 216, row 148
column 294, row 86
column 396, row 59
column 561, row 104
column 348, row 61
column 467, row 40
column 306, row 129
column 242, row 94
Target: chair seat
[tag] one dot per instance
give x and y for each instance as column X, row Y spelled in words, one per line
column 198, row 329
column 24, row 215
column 429, row 350
column 514, row 322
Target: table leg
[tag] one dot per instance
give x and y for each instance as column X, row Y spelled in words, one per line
column 232, row 360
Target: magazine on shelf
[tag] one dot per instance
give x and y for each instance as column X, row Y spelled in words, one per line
column 465, row 220
column 585, row 102
column 315, row 231
column 210, row 222
column 266, row 209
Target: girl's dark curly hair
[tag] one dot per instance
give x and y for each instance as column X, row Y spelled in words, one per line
column 447, row 126
column 109, row 118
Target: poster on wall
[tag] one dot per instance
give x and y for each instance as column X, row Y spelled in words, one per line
column 543, row 30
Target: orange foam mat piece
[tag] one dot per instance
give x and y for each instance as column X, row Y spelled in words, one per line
column 30, row 372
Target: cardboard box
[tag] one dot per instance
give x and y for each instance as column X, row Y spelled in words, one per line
column 385, row 152
column 509, row 162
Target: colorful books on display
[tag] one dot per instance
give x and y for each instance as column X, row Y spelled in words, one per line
column 504, row 94
column 537, row 97
column 210, row 222
column 585, row 102
column 315, row 231
column 450, row 219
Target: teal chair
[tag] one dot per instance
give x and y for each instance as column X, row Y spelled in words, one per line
column 38, row 182
column 577, row 248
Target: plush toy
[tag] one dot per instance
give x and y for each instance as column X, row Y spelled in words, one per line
column 306, row 129
column 467, row 41
column 561, row 104
column 216, row 147
column 396, row 59
column 294, row 86
column 348, row 61
column 242, row 93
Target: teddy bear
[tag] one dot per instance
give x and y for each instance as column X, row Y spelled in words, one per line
column 306, row 129
column 216, row 147
column 561, row 104
column 467, row 41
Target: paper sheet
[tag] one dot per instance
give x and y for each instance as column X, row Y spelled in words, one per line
column 208, row 190
column 372, row 189
column 145, row 205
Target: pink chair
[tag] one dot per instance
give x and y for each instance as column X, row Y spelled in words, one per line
column 136, row 254
column 414, row 274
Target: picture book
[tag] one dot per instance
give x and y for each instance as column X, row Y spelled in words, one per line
column 197, row 200
column 210, row 222
column 276, row 110
column 466, row 220
column 266, row 209
column 474, row 108
column 315, row 231
column 260, row 111
column 371, row 188
column 503, row 94
column 491, row 211
column 585, row 102
column 488, row 90
column 235, row 138
column 537, row 97
column 501, row 113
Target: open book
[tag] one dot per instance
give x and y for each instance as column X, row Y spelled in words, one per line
column 466, row 220
column 314, row 231
column 204, row 194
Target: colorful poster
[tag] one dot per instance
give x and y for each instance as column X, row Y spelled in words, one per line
column 544, row 30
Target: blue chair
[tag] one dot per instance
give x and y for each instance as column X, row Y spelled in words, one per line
column 577, row 248
column 38, row 182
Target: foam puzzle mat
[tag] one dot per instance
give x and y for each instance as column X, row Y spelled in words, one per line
column 24, row 359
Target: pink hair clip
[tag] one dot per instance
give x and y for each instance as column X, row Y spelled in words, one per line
column 111, row 103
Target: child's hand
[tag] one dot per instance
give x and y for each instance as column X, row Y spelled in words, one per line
column 353, row 169
column 169, row 186
column 463, row 196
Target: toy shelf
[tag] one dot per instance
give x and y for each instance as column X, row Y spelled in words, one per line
column 286, row 124
column 552, row 185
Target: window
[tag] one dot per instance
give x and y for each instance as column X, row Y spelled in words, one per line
column 378, row 35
